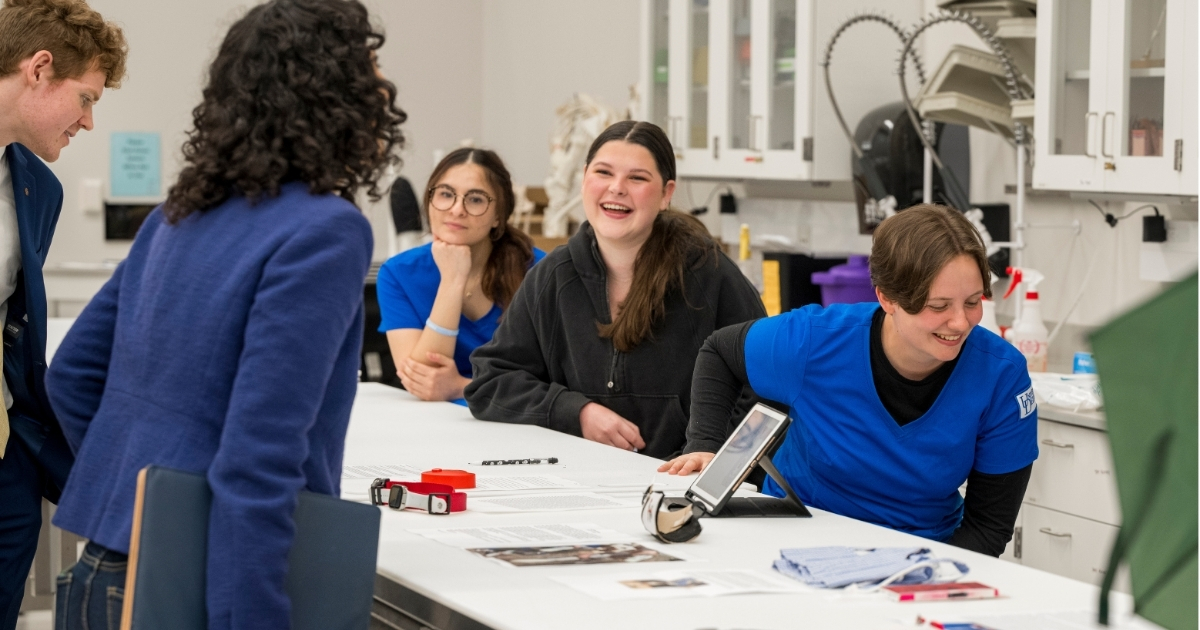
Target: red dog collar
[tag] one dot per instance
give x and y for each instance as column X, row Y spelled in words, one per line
column 434, row 498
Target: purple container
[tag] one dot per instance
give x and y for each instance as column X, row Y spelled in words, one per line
column 846, row 284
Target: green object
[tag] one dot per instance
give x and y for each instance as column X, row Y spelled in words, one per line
column 1147, row 362
column 661, row 67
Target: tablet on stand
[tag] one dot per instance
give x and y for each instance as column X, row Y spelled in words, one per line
column 748, row 447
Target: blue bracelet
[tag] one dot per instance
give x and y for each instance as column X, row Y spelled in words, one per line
column 439, row 330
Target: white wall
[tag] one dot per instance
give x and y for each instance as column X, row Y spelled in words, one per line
column 537, row 53
column 170, row 49
column 432, row 55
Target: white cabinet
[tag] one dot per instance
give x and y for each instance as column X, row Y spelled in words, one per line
column 1073, row 473
column 1116, row 96
column 1068, row 545
column 736, row 86
column 1071, row 512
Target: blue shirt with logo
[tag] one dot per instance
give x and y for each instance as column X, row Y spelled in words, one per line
column 844, row 452
column 406, row 287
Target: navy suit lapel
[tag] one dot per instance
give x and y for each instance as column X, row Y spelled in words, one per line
column 25, row 303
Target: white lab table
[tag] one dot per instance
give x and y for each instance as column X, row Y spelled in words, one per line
column 423, row 583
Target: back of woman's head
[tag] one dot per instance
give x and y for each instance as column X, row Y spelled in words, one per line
column 911, row 248
column 294, row 94
column 512, row 249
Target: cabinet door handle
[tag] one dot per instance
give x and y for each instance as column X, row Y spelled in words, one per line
column 754, row 146
column 1089, row 119
column 1057, row 444
column 1104, row 135
column 673, row 133
column 1050, row 532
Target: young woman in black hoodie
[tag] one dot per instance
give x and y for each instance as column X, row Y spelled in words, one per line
column 601, row 338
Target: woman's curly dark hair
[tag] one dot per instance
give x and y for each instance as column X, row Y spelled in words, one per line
column 293, row 95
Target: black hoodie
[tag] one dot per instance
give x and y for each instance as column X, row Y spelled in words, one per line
column 547, row 360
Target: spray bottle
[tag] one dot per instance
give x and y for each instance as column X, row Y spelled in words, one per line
column 989, row 311
column 1029, row 333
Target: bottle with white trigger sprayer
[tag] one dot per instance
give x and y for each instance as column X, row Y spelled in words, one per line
column 1029, row 333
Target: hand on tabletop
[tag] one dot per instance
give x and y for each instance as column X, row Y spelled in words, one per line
column 687, row 464
column 439, row 381
column 453, row 261
column 603, row 425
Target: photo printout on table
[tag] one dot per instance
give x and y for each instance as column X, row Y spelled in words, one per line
column 560, row 555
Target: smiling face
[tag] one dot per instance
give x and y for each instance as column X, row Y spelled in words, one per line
column 456, row 226
column 919, row 343
column 623, row 192
column 54, row 111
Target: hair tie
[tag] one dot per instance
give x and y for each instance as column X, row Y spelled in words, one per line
column 439, row 330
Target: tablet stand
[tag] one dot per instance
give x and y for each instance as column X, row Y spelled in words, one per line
column 766, row 507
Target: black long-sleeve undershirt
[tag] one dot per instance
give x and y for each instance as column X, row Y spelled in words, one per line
column 992, row 501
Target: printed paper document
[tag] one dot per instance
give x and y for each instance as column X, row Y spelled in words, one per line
column 551, row 502
column 664, row 585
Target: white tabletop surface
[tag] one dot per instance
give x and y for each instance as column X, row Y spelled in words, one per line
column 388, row 426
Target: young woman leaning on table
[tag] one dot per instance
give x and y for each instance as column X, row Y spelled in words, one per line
column 228, row 342
column 600, row 340
column 897, row 403
column 442, row 300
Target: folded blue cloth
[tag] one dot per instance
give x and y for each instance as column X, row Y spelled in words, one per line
column 835, row 567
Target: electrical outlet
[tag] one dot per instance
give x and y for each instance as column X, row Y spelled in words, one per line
column 91, row 196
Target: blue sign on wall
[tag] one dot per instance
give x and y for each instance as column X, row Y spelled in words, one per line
column 135, row 165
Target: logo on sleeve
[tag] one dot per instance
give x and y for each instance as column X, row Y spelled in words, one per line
column 1027, row 402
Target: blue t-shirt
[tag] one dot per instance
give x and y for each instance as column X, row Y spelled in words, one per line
column 846, row 454
column 407, row 285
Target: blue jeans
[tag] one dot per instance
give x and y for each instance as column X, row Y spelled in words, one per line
column 91, row 593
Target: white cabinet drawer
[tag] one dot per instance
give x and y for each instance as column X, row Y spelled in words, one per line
column 1068, row 545
column 1074, row 473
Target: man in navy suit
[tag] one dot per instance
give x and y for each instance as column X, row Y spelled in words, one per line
column 56, row 58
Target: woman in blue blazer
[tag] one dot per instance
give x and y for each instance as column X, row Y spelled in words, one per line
column 228, row 342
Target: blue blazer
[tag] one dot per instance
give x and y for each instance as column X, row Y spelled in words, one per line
column 228, row 345
column 39, row 198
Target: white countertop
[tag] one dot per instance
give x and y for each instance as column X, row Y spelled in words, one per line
column 1086, row 419
column 388, row 426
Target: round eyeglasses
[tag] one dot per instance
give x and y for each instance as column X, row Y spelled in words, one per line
column 475, row 202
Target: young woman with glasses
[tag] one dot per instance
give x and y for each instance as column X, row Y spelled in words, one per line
column 600, row 340
column 442, row 300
